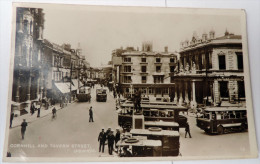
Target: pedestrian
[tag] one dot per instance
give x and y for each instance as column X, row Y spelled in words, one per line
column 187, row 129
column 114, row 93
column 23, row 129
column 111, row 140
column 32, row 108
column 91, row 115
column 38, row 111
column 54, row 112
column 11, row 119
column 117, row 137
column 102, row 140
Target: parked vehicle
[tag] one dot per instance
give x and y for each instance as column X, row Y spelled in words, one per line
column 221, row 120
column 170, row 139
column 140, row 147
column 152, row 112
column 101, row 95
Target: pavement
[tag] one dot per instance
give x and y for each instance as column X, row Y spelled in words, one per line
column 30, row 118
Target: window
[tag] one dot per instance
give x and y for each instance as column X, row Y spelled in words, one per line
column 171, row 68
column 127, row 79
column 158, row 79
column 241, row 89
column 239, row 60
column 127, row 60
column 158, row 68
column 222, row 62
column 143, row 60
column 172, row 60
column 158, row 60
column 143, row 68
column 127, row 68
column 223, row 86
column 143, row 79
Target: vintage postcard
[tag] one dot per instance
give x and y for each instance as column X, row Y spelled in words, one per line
column 99, row 83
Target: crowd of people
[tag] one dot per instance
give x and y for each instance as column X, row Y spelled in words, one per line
column 110, row 139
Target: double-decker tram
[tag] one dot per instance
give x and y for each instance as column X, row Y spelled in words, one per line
column 153, row 112
column 83, row 94
column 221, row 120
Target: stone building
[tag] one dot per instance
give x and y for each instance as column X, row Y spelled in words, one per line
column 28, row 80
column 146, row 70
column 210, row 70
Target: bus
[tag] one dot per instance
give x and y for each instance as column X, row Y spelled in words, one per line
column 101, row 95
column 83, row 94
column 170, row 139
column 167, row 113
column 220, row 120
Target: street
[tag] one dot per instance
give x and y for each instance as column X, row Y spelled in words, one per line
column 72, row 135
column 203, row 144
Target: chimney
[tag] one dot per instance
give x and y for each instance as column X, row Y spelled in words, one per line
column 212, row 34
column 204, row 37
column 166, row 49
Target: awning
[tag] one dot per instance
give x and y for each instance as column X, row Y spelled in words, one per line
column 75, row 84
column 63, row 87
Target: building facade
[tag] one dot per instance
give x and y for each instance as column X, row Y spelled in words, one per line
column 210, row 70
column 146, row 70
column 28, row 80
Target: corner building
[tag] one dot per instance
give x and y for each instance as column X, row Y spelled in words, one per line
column 146, row 70
column 210, row 70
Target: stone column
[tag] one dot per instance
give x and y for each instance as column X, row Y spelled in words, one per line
column 17, row 96
column 29, row 86
column 186, row 93
column 180, row 91
column 175, row 94
column 193, row 103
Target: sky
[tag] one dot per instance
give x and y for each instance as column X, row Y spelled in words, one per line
column 99, row 30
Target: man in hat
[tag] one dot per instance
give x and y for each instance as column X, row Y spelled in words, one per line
column 111, row 139
column 117, row 137
column 54, row 112
column 187, row 129
column 91, row 115
column 23, row 129
column 102, row 140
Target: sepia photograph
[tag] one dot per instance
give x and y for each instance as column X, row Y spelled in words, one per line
column 106, row 83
